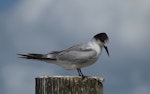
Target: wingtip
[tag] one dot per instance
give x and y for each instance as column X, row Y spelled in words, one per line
column 22, row 56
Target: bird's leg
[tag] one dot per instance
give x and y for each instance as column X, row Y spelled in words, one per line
column 79, row 72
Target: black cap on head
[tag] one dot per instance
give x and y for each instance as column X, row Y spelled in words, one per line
column 101, row 36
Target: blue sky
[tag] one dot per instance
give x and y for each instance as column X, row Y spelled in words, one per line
column 41, row 26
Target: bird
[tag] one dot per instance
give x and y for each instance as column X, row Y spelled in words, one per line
column 75, row 57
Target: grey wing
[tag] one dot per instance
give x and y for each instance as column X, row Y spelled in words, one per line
column 77, row 54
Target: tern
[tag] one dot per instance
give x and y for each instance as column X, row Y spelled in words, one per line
column 75, row 57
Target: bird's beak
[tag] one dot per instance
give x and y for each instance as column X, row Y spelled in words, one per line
column 106, row 50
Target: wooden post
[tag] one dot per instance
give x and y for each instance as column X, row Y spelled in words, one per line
column 69, row 85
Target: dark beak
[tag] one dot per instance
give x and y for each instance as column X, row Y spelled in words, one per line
column 106, row 50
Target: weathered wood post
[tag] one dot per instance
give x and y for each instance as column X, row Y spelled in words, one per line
column 69, row 85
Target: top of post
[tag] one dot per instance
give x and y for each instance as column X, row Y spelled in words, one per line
column 72, row 77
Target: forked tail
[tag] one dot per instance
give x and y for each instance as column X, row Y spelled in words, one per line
column 35, row 56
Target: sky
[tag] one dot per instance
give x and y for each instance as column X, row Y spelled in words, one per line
column 42, row 26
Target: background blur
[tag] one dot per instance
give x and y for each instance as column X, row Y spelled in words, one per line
column 41, row 26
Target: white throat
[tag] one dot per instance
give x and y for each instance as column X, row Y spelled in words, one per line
column 96, row 46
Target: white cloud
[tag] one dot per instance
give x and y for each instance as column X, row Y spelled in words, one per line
column 31, row 10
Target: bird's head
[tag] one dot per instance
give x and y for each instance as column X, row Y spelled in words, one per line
column 102, row 40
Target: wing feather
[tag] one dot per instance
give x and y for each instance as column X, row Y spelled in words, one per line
column 77, row 54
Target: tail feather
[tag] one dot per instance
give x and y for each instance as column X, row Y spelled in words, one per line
column 35, row 56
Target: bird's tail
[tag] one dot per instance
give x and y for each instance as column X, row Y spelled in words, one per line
column 35, row 56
